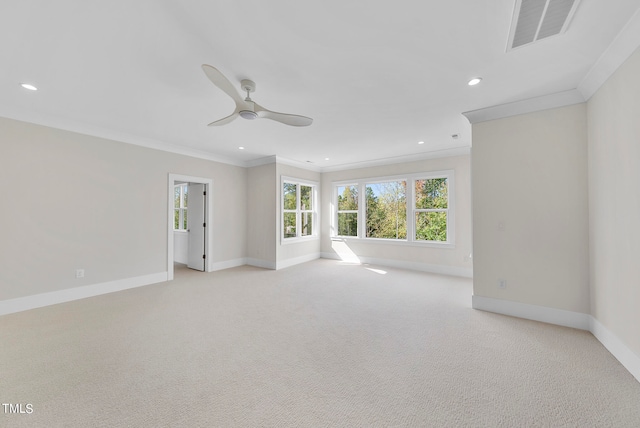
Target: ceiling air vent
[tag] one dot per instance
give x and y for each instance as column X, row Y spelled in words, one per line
column 537, row 19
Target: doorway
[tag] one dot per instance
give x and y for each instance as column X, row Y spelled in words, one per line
column 198, row 230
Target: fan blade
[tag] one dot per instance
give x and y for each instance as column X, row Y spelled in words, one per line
column 222, row 82
column 225, row 120
column 287, row 119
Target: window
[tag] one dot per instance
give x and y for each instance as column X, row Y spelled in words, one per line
column 180, row 193
column 299, row 207
column 386, row 210
column 290, row 209
column 431, row 198
column 415, row 209
column 348, row 210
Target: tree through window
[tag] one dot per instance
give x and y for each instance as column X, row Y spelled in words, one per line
column 416, row 208
column 431, row 209
column 298, row 209
column 348, row 210
column 386, row 210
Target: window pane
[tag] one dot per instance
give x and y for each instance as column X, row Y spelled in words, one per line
column 176, row 219
column 289, row 225
column 431, row 226
column 184, row 219
column 176, row 197
column 306, row 220
column 289, row 194
column 386, row 208
column 432, row 193
column 306, row 195
column 348, row 224
column 184, row 196
column 347, row 198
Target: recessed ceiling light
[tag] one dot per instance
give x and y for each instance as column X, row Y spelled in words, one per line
column 240, row 148
column 326, row 158
column 420, row 142
column 474, row 81
column 28, row 86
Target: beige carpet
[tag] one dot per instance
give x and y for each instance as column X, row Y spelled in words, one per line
column 321, row 344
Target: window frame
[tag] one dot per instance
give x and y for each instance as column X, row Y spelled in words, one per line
column 339, row 211
column 315, row 201
column 411, row 209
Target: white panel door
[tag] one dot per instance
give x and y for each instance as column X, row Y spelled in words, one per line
column 196, row 224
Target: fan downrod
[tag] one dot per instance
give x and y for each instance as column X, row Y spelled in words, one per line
column 248, row 86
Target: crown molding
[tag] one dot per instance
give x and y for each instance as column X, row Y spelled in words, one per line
column 622, row 47
column 98, row 132
column 260, row 161
column 559, row 99
column 434, row 154
column 298, row 164
column 280, row 160
column 441, row 153
column 64, row 124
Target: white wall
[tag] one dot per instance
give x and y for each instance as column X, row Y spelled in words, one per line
column 614, row 203
column 530, row 209
column 445, row 260
column 77, row 201
column 261, row 215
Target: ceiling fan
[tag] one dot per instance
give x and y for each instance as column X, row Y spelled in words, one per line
column 247, row 108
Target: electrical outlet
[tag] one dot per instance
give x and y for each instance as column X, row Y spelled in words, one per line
column 79, row 273
column 502, row 283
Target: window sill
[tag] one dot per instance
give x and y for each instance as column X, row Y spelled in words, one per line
column 399, row 242
column 299, row 239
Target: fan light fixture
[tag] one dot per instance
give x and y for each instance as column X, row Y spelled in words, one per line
column 248, row 114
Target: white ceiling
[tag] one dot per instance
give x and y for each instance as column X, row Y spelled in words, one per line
column 376, row 76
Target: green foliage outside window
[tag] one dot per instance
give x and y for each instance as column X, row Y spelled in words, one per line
column 290, row 225
column 298, row 206
column 386, row 210
column 348, row 201
column 432, row 201
column 290, row 195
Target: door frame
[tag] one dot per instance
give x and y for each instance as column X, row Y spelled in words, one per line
column 208, row 182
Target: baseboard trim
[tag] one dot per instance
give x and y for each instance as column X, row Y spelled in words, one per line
column 227, row 264
column 296, row 260
column 578, row 320
column 531, row 312
column 266, row 264
column 626, row 356
column 67, row 295
column 401, row 264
